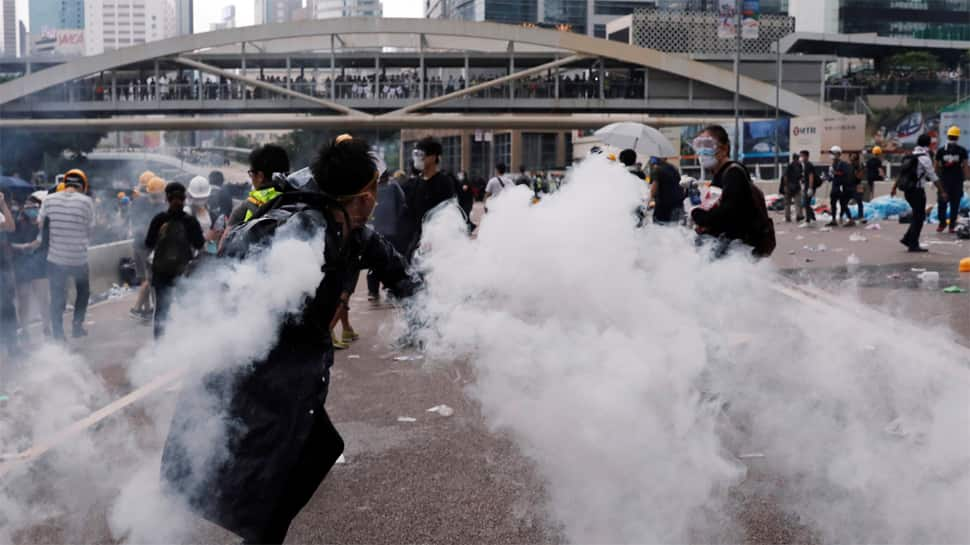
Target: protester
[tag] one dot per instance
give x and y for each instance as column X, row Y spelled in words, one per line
column 951, row 161
column 429, row 188
column 740, row 213
column 143, row 211
column 70, row 214
column 629, row 159
column 198, row 206
column 875, row 172
column 856, row 183
column 8, row 312
column 264, row 161
column 497, row 184
column 282, row 443
column 522, row 179
column 916, row 169
column 173, row 237
column 466, row 197
column 30, row 264
column 842, row 188
column 220, row 203
column 809, row 183
column 665, row 191
column 390, row 221
column 791, row 189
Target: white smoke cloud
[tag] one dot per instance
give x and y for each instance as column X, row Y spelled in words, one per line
column 224, row 316
column 632, row 370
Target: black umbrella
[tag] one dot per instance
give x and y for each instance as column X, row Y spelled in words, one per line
column 9, row 184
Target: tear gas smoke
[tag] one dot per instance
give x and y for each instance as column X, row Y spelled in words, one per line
column 633, row 370
column 224, row 316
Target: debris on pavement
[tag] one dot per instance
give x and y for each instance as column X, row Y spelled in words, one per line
column 894, row 276
column 406, row 419
column 824, row 229
column 353, row 357
column 341, row 460
column 929, row 278
column 855, row 237
column 791, row 252
column 874, row 227
column 853, row 260
column 443, row 410
column 917, row 270
column 408, row 358
column 954, row 289
column 751, row 455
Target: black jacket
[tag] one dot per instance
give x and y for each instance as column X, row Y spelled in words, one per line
column 735, row 217
column 269, row 407
column 424, row 196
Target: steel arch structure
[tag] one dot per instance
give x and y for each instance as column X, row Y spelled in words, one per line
column 451, row 33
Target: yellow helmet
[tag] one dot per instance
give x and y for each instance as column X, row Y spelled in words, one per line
column 121, row 195
column 76, row 173
column 156, row 185
column 953, row 131
column 611, row 157
column 876, row 150
column 145, row 176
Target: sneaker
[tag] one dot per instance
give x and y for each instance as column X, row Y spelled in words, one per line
column 850, row 223
column 373, row 297
column 338, row 344
column 832, row 223
column 952, row 230
column 940, row 228
column 136, row 314
column 349, row 336
column 79, row 332
column 865, row 222
column 918, row 250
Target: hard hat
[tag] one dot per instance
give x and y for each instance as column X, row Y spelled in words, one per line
column 145, row 176
column 965, row 265
column 611, row 157
column 342, row 138
column 156, row 185
column 75, row 174
column 60, row 187
column 953, row 131
column 39, row 196
column 199, row 188
column 876, row 150
column 835, row 150
column 121, row 195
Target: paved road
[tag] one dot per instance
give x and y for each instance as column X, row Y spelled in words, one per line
column 450, row 479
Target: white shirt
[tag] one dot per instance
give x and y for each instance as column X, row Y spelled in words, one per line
column 497, row 184
column 925, row 170
column 71, row 216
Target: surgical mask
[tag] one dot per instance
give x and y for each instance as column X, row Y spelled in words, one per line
column 707, row 158
column 417, row 159
column 32, row 213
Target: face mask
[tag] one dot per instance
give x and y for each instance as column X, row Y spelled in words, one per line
column 32, row 213
column 417, row 159
column 707, row 158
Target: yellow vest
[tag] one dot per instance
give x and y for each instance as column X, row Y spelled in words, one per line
column 257, row 198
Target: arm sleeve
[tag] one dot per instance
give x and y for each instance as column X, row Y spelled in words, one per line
column 196, row 238
column 928, row 170
column 42, row 215
column 152, row 236
column 717, row 219
column 380, row 256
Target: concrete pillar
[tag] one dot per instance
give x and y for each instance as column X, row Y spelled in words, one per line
column 561, row 158
column 466, row 148
column 515, row 154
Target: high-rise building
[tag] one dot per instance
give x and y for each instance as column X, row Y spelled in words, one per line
column 278, row 11
column 926, row 19
column 52, row 15
column 113, row 24
column 228, row 19
column 9, row 28
column 184, row 19
column 326, row 9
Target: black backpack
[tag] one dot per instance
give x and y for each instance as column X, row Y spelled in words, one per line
column 173, row 251
column 908, row 173
column 762, row 235
column 307, row 211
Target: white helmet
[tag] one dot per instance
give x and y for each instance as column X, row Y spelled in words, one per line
column 199, row 188
column 835, row 150
column 39, row 196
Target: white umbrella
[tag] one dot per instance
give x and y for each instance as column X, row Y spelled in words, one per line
column 646, row 141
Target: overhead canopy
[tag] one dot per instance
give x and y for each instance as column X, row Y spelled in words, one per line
column 866, row 46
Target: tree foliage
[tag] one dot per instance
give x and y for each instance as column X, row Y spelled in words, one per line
column 25, row 152
column 915, row 60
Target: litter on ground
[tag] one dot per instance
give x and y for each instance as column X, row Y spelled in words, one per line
column 406, row 419
column 443, row 410
column 954, row 289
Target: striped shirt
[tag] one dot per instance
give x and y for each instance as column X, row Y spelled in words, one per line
column 71, row 216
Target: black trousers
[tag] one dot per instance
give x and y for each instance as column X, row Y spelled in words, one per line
column 320, row 453
column 917, row 200
column 840, row 197
column 58, row 275
column 164, row 292
column 373, row 284
column 954, row 192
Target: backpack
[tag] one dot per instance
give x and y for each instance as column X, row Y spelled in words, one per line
column 173, row 252
column 908, row 173
column 304, row 211
column 762, row 236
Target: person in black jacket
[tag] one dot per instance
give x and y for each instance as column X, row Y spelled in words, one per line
column 281, row 443
column 735, row 217
column 428, row 189
column 791, row 188
column 665, row 190
column 843, row 188
column 809, row 181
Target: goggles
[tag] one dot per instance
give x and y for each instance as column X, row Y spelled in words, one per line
column 704, row 143
column 417, row 154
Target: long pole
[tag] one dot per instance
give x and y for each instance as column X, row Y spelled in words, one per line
column 737, row 84
column 778, row 111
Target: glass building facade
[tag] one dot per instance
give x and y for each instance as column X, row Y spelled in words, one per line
column 925, row 19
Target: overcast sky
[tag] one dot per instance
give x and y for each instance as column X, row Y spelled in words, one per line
column 210, row 11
